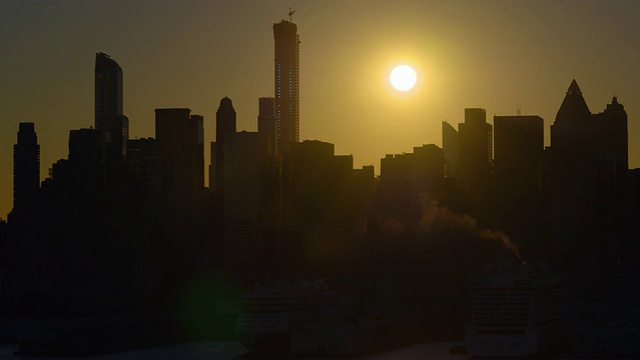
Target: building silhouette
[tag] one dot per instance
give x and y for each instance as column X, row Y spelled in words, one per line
column 180, row 141
column 145, row 164
column 587, row 171
column 321, row 186
column 615, row 144
column 517, row 186
column 242, row 199
column 272, row 177
column 287, row 83
column 108, row 108
column 225, row 123
column 518, row 152
column 268, row 122
column 475, row 155
column 26, row 167
column 405, row 178
column 84, row 169
column 242, row 172
column 250, row 198
column 450, row 147
column 589, row 152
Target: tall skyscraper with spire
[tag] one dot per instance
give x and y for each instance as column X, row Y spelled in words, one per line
column 287, row 83
column 588, row 166
column 109, row 118
column 26, row 167
column 225, row 123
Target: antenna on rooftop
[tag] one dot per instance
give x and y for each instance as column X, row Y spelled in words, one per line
column 291, row 15
column 518, row 111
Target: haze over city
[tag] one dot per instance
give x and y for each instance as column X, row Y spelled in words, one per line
column 458, row 178
column 499, row 55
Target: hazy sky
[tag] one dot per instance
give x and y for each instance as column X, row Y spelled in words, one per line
column 499, row 55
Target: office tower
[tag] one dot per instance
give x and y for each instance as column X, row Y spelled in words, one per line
column 85, row 146
column 615, row 144
column 404, row 178
column 317, row 188
column 87, row 151
column 518, row 151
column 242, row 176
column 108, row 108
column 573, row 136
column 272, row 177
column 225, row 118
column 267, row 121
column 26, row 167
column 225, row 123
column 287, row 83
column 180, row 141
column 246, row 201
column 588, row 167
column 475, row 152
column 450, row 147
column 423, row 167
column 589, row 150
column 145, row 164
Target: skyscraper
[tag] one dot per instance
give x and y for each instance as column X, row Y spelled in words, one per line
column 180, row 141
column 588, row 165
column 225, row 123
column 475, row 151
column 26, row 167
column 450, row 147
column 519, row 146
column 267, row 121
column 287, row 83
column 108, row 108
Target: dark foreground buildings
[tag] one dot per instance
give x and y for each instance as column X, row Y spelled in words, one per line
column 180, row 138
column 124, row 227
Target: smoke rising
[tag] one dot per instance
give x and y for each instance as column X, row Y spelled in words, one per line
column 436, row 217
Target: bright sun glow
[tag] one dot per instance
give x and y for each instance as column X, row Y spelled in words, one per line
column 403, row 78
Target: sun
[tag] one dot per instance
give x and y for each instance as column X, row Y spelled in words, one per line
column 403, row 78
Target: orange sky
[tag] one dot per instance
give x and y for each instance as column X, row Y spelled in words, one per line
column 499, row 55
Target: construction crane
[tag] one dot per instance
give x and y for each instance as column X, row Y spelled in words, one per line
column 291, row 15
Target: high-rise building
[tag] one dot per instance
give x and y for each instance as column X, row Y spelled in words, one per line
column 272, row 185
column 475, row 151
column 588, row 146
column 518, row 155
column 320, row 184
column 225, row 123
column 267, row 121
column 180, row 142
column 615, row 144
column 450, row 148
column 242, row 173
column 588, row 166
column 247, row 201
column 145, row 164
column 287, row 83
column 108, row 108
column 26, row 166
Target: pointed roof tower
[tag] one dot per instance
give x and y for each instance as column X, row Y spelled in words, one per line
column 573, row 107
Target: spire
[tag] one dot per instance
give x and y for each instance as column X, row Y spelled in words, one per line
column 573, row 107
column 225, row 118
column 574, row 88
column 225, row 102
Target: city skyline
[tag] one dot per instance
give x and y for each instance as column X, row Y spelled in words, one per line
column 340, row 95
